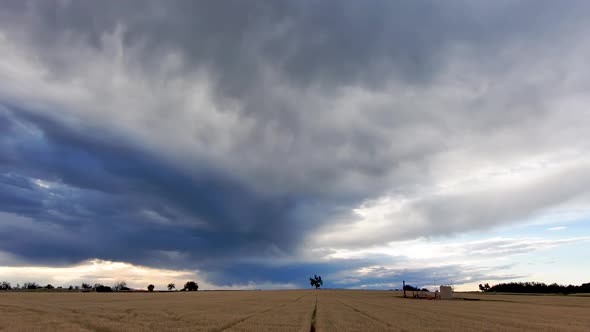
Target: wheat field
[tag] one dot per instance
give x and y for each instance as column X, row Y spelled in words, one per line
column 296, row 310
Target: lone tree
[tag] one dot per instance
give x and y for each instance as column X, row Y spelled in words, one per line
column 150, row 288
column 171, row 286
column 191, row 286
column 316, row 281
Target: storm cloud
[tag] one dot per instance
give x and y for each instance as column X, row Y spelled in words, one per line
column 232, row 136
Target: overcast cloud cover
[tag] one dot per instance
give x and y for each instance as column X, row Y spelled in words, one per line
column 253, row 143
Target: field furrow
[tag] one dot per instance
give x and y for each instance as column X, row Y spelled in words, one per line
column 290, row 316
column 333, row 315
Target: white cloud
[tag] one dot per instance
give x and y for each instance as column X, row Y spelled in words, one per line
column 427, row 253
column 514, row 194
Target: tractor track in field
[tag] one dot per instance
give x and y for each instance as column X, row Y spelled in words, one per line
column 367, row 315
column 22, row 307
column 313, row 315
column 241, row 320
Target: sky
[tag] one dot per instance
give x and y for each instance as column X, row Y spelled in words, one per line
column 252, row 144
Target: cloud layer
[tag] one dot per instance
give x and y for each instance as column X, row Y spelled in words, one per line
column 220, row 135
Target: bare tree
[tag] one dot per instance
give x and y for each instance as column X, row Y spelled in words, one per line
column 120, row 286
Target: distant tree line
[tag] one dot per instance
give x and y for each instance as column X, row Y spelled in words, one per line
column 5, row 286
column 120, row 286
column 535, row 287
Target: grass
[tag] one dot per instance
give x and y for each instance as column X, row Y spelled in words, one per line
column 299, row 310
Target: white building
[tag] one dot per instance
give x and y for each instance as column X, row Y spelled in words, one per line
column 446, row 293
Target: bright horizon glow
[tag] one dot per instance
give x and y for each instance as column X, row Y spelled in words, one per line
column 108, row 273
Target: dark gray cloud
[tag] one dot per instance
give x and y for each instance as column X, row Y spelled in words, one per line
column 125, row 203
column 208, row 133
column 339, row 42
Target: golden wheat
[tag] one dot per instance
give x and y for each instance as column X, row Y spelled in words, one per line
column 299, row 310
